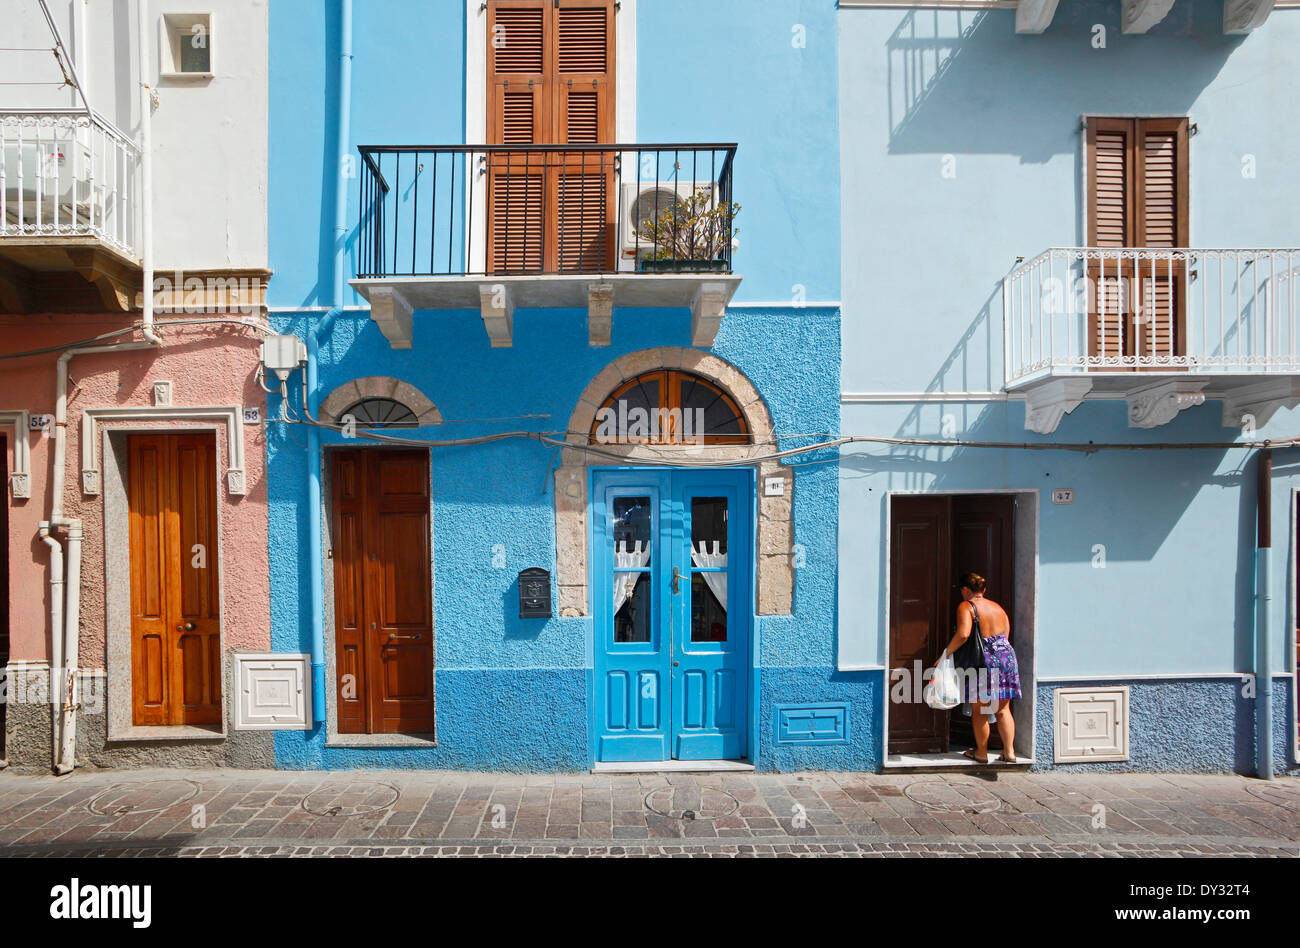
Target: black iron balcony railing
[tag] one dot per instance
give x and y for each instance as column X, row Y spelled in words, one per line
column 488, row 210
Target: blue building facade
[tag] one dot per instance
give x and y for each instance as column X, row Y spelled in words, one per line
column 691, row 579
column 1007, row 290
column 1105, row 449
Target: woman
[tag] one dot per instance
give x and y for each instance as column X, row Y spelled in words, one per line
column 999, row 682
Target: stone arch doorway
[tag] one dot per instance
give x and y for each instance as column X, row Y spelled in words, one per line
column 773, row 534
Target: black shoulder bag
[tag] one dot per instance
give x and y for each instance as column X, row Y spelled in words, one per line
column 970, row 654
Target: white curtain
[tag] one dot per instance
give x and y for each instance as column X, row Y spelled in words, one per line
column 700, row 556
column 624, row 583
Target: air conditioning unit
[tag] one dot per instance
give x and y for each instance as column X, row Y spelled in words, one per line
column 646, row 200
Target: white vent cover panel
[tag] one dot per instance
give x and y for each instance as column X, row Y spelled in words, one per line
column 272, row 692
column 1091, row 724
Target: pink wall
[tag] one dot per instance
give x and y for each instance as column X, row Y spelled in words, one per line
column 207, row 365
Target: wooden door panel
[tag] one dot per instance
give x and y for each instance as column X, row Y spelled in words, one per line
column 147, row 502
column 175, row 599
column 918, row 557
column 348, row 552
column 383, row 599
column 983, row 531
column 5, row 453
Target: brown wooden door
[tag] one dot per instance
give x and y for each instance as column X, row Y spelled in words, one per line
column 4, row 574
column 918, row 565
column 1137, row 172
column 550, row 82
column 175, row 610
column 383, row 610
column 933, row 540
column 982, row 542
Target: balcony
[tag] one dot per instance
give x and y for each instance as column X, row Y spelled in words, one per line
column 69, row 183
column 1162, row 328
column 494, row 228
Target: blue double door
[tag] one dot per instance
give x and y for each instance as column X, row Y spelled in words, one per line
column 672, row 601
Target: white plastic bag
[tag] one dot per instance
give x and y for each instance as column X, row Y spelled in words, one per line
column 943, row 691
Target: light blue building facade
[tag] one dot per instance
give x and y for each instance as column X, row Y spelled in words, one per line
column 688, row 600
column 974, row 141
column 1008, row 290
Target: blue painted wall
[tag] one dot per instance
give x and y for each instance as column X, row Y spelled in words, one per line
column 511, row 693
column 924, row 92
column 764, row 76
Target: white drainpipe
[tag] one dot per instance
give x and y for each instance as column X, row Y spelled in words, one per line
column 146, row 180
column 56, row 639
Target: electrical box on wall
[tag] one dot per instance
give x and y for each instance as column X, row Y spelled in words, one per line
column 281, row 355
column 1091, row 724
column 272, row 692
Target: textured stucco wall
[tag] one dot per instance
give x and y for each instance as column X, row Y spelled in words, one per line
column 1181, row 725
column 501, row 495
column 809, row 685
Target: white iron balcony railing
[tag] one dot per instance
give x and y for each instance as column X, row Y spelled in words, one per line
column 64, row 172
column 1101, row 310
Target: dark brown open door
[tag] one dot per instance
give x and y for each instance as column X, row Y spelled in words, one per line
column 982, row 541
column 933, row 540
column 382, row 592
column 918, row 627
column 1137, row 173
column 175, row 608
column 550, row 82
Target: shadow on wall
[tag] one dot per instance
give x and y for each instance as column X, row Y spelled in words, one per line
column 950, row 88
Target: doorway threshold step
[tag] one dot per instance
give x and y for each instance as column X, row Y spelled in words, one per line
column 673, row 767
column 951, row 762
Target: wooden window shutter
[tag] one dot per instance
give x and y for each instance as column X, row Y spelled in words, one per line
column 1137, row 172
column 1161, row 182
column 518, row 112
column 550, row 81
column 1110, row 214
column 584, row 186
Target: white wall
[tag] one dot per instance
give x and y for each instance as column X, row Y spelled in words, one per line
column 209, row 135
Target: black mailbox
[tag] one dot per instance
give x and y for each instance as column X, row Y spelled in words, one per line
column 534, row 593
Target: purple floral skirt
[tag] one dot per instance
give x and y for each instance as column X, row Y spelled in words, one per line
column 999, row 679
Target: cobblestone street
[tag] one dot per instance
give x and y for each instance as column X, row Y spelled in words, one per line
column 278, row 813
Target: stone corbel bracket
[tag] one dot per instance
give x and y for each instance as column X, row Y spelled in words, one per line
column 1160, row 404
column 1048, row 403
column 707, row 310
column 232, row 415
column 600, row 313
column 1242, row 16
column 1035, row 16
column 1140, row 15
column 20, row 478
column 497, row 307
column 391, row 311
column 1254, row 406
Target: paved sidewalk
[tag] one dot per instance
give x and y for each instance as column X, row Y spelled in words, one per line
column 252, row 813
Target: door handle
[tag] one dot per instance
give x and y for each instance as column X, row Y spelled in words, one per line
column 186, row 627
column 414, row 636
column 676, row 576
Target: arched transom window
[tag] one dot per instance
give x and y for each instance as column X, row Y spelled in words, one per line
column 381, row 413
column 668, row 406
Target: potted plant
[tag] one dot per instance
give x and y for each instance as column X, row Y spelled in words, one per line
column 692, row 234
